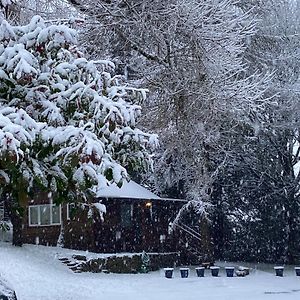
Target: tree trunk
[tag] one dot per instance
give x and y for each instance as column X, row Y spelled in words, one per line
column 16, row 219
column 18, row 208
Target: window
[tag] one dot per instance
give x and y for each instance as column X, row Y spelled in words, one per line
column 126, row 215
column 44, row 215
column 1, row 211
column 55, row 214
column 33, row 215
column 71, row 208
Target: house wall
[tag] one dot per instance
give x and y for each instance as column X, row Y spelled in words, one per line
column 143, row 231
column 78, row 231
column 43, row 235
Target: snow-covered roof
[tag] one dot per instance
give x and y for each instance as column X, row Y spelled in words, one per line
column 131, row 190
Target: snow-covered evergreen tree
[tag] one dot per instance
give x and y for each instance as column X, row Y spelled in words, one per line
column 66, row 124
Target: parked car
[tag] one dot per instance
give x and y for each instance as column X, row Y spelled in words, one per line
column 6, row 292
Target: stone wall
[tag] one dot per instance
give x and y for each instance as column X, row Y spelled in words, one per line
column 127, row 263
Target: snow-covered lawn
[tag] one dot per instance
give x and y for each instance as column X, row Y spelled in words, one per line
column 35, row 273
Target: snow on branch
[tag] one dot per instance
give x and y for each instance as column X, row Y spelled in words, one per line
column 63, row 116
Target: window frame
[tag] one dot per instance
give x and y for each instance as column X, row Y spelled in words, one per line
column 39, row 215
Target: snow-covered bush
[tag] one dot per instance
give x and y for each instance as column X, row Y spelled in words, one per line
column 64, row 121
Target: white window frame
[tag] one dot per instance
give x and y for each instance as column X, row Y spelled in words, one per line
column 39, row 215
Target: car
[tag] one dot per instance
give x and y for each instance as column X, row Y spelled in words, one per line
column 6, row 292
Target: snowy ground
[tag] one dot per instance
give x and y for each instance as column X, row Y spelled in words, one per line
column 35, row 273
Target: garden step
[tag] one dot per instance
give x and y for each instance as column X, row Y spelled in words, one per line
column 66, row 261
column 72, row 264
column 79, row 257
column 62, row 259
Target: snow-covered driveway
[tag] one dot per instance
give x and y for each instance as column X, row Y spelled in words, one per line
column 35, row 273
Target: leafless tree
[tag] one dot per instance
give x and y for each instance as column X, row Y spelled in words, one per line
column 191, row 54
